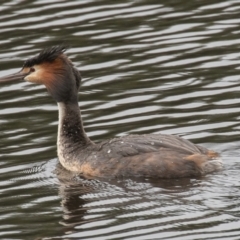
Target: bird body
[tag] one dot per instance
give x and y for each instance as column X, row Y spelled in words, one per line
column 149, row 155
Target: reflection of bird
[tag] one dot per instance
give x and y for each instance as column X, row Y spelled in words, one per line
column 151, row 155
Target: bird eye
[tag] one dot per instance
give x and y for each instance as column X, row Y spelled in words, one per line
column 32, row 69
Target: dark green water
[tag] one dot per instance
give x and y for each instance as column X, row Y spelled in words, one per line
column 148, row 66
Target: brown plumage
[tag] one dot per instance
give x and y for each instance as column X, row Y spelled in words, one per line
column 151, row 155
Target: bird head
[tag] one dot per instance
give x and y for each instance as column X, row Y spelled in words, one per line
column 52, row 68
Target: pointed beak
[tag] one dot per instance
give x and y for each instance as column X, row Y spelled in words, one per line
column 13, row 77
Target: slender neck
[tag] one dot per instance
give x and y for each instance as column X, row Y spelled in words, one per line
column 71, row 133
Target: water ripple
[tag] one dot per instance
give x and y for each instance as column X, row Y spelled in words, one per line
column 147, row 67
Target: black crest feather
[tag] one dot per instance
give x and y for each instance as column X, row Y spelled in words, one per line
column 46, row 55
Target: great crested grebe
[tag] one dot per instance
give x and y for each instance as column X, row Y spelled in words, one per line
column 149, row 155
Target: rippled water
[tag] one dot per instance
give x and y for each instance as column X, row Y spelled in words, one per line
column 148, row 66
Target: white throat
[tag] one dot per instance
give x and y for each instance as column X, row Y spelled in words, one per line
column 61, row 114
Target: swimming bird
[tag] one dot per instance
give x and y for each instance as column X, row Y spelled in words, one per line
column 148, row 155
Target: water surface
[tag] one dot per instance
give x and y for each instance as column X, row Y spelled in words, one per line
column 147, row 67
